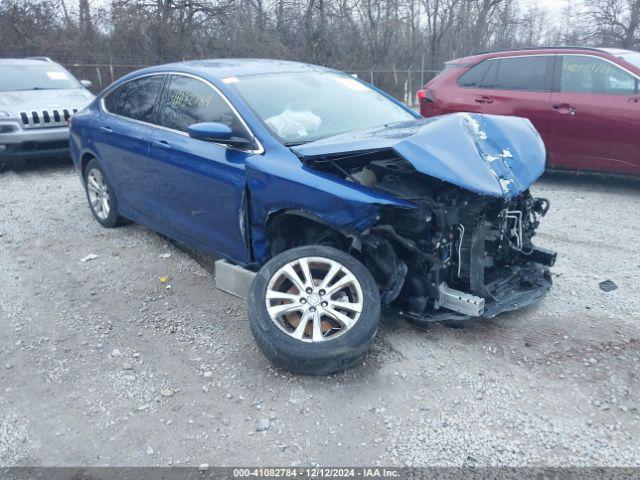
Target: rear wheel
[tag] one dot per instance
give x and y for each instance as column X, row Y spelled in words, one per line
column 100, row 194
column 314, row 310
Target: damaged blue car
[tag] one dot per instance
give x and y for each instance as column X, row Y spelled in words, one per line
column 343, row 200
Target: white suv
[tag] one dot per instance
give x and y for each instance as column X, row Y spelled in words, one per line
column 37, row 97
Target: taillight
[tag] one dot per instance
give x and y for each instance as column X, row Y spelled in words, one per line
column 426, row 95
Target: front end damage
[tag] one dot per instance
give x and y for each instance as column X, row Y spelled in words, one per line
column 458, row 252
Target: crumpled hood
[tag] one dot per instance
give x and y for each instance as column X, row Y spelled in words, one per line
column 38, row 100
column 492, row 155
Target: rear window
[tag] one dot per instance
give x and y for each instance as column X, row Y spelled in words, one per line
column 517, row 73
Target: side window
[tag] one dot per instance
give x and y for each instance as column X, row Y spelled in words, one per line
column 135, row 99
column 586, row 74
column 190, row 101
column 482, row 75
column 523, row 73
column 138, row 98
column 473, row 77
column 111, row 99
column 489, row 80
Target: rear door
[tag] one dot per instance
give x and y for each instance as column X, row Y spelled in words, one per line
column 519, row 86
column 122, row 138
column 595, row 116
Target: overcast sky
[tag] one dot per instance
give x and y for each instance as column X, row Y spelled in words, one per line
column 554, row 5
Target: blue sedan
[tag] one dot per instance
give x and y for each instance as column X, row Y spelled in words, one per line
column 342, row 199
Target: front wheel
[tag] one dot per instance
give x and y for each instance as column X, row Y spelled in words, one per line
column 314, row 310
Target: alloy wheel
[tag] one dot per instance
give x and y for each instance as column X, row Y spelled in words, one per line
column 98, row 191
column 314, row 299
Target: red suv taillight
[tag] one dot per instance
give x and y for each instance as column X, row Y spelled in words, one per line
column 427, row 102
column 426, row 95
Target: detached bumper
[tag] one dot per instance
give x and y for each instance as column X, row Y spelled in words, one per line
column 35, row 143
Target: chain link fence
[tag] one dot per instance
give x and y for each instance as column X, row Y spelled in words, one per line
column 401, row 83
column 101, row 74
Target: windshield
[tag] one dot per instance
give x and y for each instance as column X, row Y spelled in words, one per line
column 632, row 57
column 303, row 107
column 47, row 76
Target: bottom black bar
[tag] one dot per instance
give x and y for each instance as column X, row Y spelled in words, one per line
column 204, row 472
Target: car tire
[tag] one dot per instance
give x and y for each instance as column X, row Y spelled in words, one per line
column 332, row 346
column 99, row 190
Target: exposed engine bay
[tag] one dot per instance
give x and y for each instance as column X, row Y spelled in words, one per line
column 457, row 254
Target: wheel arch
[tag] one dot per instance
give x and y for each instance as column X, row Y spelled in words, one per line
column 85, row 157
column 281, row 226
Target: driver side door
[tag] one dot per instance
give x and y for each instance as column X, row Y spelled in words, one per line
column 201, row 185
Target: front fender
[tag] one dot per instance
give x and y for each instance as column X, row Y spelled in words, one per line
column 338, row 203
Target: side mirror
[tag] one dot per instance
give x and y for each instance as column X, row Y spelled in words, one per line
column 216, row 133
column 86, row 83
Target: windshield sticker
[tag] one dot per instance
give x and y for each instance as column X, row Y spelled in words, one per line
column 230, row 80
column 351, row 83
column 57, row 75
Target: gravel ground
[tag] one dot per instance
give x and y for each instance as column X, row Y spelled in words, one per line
column 103, row 364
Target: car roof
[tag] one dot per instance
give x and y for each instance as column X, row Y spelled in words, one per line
column 566, row 47
column 617, row 51
column 537, row 50
column 25, row 61
column 237, row 67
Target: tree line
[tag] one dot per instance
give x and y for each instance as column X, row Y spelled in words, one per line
column 346, row 34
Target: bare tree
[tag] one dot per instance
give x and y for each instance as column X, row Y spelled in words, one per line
column 84, row 14
column 614, row 22
column 385, row 35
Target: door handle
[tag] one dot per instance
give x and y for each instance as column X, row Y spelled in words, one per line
column 634, row 100
column 484, row 99
column 106, row 129
column 162, row 144
column 565, row 109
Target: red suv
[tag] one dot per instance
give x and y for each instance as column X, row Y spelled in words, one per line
column 583, row 101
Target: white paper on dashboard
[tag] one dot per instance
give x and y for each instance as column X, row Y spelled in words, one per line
column 57, row 76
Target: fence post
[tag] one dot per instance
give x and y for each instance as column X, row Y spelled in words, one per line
column 408, row 94
column 99, row 76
